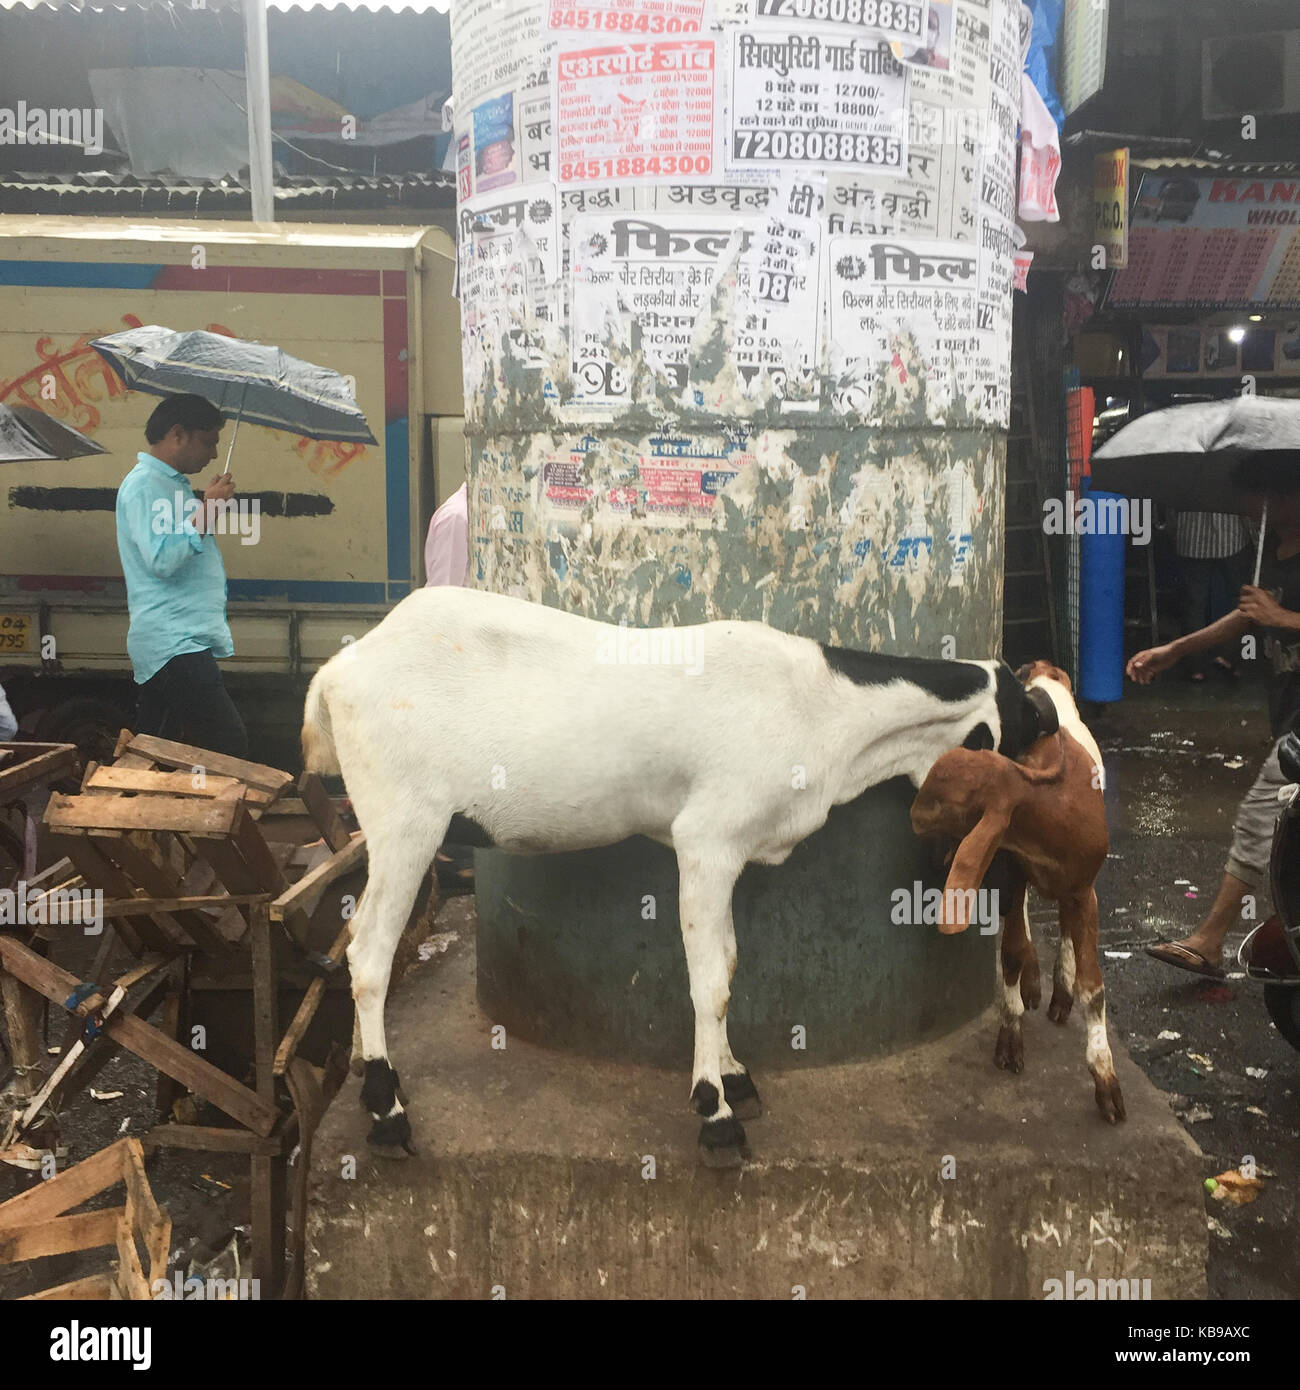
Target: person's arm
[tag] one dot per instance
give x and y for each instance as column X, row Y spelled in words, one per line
column 165, row 540
column 1146, row 665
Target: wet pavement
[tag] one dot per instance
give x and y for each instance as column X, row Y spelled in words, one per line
column 1178, row 759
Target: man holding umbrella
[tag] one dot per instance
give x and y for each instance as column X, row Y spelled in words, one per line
column 176, row 582
column 1273, row 605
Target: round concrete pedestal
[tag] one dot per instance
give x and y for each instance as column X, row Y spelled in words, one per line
column 569, row 957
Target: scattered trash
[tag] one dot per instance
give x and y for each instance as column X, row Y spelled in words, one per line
column 1259, row 1073
column 1191, row 893
column 1118, row 955
column 1232, row 1187
column 1120, row 911
column 1234, row 763
column 1168, row 1035
column 1219, row 1229
column 124, row 1126
column 1255, row 1110
column 106, row 1095
column 54, row 1051
column 1236, row 975
column 1201, row 1060
column 1198, row 1113
column 437, row 944
column 207, row 1177
column 1182, row 882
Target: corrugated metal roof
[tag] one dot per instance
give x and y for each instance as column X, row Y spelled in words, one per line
column 1218, row 166
column 101, row 192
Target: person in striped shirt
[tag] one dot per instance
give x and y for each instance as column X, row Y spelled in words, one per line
column 1214, row 556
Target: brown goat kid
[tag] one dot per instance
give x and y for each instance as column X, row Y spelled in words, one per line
column 1047, row 814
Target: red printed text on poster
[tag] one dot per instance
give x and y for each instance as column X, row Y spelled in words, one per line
column 639, row 112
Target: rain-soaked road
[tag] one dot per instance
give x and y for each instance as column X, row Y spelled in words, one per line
column 1178, row 758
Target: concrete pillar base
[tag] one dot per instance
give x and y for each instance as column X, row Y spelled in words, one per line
column 532, row 1176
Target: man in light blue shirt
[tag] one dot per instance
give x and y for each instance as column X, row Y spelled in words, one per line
column 176, row 582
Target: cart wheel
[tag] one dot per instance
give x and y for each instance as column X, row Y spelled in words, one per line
column 1284, row 1007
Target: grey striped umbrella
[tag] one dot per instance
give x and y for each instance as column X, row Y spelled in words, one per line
column 245, row 381
column 27, row 434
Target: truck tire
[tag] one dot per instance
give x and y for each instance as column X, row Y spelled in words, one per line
column 92, row 724
column 1284, row 1007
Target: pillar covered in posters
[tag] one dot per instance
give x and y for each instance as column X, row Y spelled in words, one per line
column 735, row 282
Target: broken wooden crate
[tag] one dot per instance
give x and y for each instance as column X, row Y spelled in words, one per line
column 41, row 1222
column 200, row 861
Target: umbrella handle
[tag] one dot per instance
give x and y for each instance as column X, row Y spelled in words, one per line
column 1259, row 549
column 234, row 434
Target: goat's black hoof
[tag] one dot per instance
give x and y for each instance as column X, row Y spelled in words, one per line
column 1009, row 1053
column 391, row 1137
column 742, row 1096
column 722, row 1144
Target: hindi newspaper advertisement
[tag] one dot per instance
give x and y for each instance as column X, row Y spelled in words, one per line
column 635, row 113
column 630, row 17
column 782, row 274
column 497, row 46
column 508, row 258
column 666, row 480
column 900, row 307
column 501, row 58
column 800, row 99
column 640, row 285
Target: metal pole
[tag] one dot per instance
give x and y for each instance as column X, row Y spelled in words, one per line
column 257, row 86
column 1259, row 549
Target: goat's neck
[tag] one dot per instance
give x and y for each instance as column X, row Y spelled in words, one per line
column 876, row 734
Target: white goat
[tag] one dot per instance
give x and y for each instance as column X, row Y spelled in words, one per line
column 729, row 742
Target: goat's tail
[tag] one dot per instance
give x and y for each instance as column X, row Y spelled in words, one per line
column 318, row 752
column 1040, row 776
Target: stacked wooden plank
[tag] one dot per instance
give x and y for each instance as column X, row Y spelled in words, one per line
column 181, row 843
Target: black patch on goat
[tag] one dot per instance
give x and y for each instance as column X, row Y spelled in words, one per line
column 1025, row 715
column 704, row 1098
column 946, row 680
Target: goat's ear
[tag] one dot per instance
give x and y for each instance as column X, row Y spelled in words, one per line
column 969, row 865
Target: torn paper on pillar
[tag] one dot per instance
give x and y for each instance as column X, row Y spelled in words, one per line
column 913, row 320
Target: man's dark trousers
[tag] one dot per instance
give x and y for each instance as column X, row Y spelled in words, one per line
column 187, row 701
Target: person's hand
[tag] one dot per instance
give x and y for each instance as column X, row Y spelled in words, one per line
column 220, row 489
column 1147, row 665
column 1261, row 607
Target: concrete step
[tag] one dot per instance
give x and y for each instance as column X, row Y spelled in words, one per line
column 543, row 1175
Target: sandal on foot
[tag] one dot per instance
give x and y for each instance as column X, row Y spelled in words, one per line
column 1185, row 958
